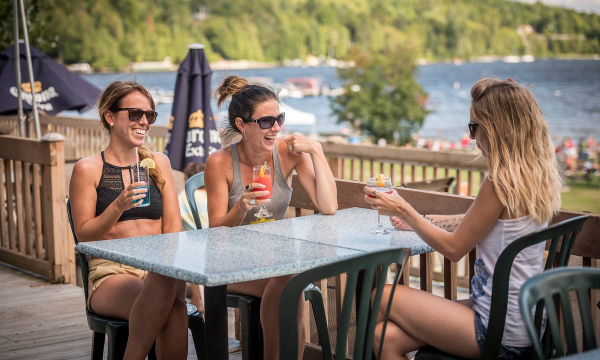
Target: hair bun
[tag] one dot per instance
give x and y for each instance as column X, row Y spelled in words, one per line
column 231, row 86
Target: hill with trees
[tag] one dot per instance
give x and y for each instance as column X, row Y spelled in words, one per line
column 113, row 33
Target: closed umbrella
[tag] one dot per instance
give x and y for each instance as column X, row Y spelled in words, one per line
column 56, row 88
column 193, row 132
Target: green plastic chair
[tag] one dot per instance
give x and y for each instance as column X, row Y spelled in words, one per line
column 249, row 306
column 553, row 288
column 117, row 330
column 361, row 272
column 567, row 230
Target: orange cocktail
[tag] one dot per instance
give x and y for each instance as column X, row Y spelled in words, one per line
column 262, row 175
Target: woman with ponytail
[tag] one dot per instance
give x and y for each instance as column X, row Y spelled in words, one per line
column 520, row 195
column 254, row 114
column 105, row 205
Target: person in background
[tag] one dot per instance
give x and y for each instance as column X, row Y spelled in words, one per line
column 105, row 205
column 232, row 196
column 520, row 195
column 188, row 223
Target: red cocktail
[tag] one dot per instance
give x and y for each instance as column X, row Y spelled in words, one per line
column 262, row 175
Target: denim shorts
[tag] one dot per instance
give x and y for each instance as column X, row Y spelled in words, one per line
column 506, row 352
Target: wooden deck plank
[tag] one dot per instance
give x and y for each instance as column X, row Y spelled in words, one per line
column 42, row 321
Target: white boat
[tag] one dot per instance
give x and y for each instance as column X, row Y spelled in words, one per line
column 162, row 96
column 527, row 58
column 512, row 59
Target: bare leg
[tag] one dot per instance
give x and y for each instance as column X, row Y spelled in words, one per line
column 172, row 339
column 197, row 297
column 418, row 318
column 270, row 291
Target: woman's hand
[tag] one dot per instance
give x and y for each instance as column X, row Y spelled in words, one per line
column 129, row 197
column 248, row 201
column 298, row 144
column 400, row 224
column 387, row 204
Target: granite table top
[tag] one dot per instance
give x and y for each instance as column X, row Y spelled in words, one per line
column 348, row 228
column 217, row 256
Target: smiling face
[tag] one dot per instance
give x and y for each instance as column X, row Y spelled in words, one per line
column 125, row 130
column 263, row 138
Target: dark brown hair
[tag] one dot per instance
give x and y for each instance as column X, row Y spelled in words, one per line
column 244, row 99
column 110, row 100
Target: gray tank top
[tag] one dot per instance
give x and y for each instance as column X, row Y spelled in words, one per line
column 282, row 192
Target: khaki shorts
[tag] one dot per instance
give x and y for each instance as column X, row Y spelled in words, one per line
column 101, row 270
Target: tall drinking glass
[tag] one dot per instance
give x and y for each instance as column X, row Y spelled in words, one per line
column 383, row 185
column 262, row 175
column 141, row 173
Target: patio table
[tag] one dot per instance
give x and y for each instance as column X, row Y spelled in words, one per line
column 348, row 228
column 216, row 257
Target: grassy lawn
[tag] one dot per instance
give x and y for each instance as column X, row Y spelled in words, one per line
column 581, row 196
column 578, row 195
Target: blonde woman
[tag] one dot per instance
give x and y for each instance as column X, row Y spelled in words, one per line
column 106, row 205
column 520, row 195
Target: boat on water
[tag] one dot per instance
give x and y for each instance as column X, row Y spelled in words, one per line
column 162, row 96
column 309, row 86
column 527, row 58
column 512, row 59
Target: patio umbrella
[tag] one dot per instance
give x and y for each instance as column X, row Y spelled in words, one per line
column 193, row 131
column 56, row 88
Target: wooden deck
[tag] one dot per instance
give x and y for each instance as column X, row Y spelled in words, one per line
column 43, row 321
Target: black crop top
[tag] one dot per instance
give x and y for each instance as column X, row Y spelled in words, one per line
column 111, row 186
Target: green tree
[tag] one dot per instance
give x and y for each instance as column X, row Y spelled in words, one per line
column 382, row 96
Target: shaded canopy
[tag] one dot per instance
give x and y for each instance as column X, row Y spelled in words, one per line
column 56, row 88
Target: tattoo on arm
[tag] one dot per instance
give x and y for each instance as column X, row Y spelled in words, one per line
column 448, row 224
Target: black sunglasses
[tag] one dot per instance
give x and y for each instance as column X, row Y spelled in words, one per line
column 472, row 129
column 136, row 114
column 267, row 122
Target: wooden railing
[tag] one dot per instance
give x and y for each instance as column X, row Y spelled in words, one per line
column 351, row 194
column 84, row 137
column 33, row 223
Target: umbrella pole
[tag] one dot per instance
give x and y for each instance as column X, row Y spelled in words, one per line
column 36, row 116
column 18, row 70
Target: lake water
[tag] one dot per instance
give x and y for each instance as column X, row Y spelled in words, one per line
column 568, row 92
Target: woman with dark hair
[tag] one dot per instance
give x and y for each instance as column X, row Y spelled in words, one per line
column 232, row 195
column 105, row 203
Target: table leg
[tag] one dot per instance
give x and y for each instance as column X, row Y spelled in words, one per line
column 215, row 314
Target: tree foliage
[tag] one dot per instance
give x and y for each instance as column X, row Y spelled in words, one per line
column 112, row 33
column 382, row 98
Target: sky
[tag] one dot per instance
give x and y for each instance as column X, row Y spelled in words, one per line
column 579, row 5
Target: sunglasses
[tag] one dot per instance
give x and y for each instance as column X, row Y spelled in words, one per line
column 472, row 129
column 136, row 114
column 267, row 122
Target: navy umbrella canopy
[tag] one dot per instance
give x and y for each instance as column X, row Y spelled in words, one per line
column 193, row 132
column 56, row 88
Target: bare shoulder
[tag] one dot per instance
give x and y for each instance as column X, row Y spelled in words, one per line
column 88, row 168
column 285, row 155
column 219, row 158
column 162, row 161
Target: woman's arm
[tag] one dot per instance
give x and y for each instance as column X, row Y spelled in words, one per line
column 476, row 223
column 446, row 222
column 82, row 194
column 171, row 218
column 217, row 193
column 314, row 173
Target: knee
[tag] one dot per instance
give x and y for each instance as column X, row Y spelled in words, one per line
column 167, row 285
column 385, row 295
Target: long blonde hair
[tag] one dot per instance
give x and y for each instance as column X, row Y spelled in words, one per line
column 109, row 101
column 520, row 153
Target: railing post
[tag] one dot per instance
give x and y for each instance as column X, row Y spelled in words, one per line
column 59, row 251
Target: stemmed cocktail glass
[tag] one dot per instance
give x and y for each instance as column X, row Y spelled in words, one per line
column 262, row 175
column 383, row 184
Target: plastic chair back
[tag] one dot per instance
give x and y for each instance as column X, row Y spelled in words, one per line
column 553, row 289
column 567, row 231
column 194, row 183
column 360, row 267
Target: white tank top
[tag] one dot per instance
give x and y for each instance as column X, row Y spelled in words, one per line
column 527, row 264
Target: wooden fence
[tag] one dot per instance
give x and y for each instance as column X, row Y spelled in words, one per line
column 33, row 223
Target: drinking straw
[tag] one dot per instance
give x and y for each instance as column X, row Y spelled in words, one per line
column 137, row 162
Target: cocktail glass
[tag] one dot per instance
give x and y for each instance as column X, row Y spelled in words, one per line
column 262, row 175
column 383, row 185
column 141, row 173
